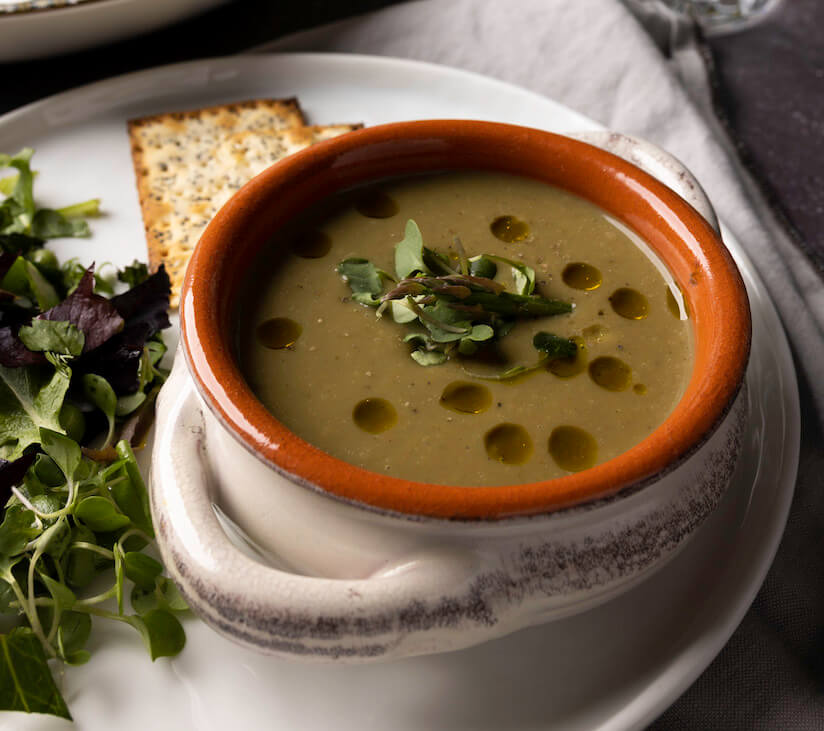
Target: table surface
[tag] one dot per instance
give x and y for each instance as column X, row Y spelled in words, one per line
column 768, row 91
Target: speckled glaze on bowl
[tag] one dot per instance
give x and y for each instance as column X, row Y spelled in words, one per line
column 374, row 566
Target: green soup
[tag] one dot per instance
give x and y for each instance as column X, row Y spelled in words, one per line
column 343, row 379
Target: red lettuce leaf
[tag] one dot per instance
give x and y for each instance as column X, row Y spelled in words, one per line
column 146, row 303
column 96, row 316
column 145, row 311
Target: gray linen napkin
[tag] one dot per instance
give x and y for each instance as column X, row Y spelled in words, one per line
column 594, row 56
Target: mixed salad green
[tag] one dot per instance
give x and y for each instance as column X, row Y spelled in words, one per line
column 80, row 367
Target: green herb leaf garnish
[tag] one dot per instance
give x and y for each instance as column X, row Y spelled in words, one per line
column 364, row 279
column 554, row 345
column 452, row 308
column 409, row 252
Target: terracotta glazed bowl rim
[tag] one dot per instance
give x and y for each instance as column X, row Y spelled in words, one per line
column 690, row 248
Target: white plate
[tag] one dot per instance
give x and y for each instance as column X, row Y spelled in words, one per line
column 35, row 28
column 615, row 667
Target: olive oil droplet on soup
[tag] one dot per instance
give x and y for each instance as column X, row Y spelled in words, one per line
column 582, row 276
column 377, row 204
column 508, row 443
column 629, row 303
column 312, row 244
column 466, row 398
column 374, row 415
column 278, row 333
column 509, row 229
column 572, row 448
column 610, row 373
column 640, row 389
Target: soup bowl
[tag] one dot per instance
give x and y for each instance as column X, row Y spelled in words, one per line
column 338, row 562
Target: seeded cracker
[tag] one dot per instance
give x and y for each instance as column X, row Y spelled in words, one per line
column 188, row 164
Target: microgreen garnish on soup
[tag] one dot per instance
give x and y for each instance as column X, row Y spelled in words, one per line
column 452, row 304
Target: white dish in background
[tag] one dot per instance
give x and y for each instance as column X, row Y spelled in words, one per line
column 37, row 28
column 614, row 667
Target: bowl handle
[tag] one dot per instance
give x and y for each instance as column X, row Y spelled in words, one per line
column 655, row 161
column 429, row 601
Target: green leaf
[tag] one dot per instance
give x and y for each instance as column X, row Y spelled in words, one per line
column 467, row 347
column 170, row 596
column 64, row 597
column 164, row 595
column 482, row 266
column 51, row 224
column 71, row 272
column 161, row 631
column 554, row 345
column 445, row 324
column 47, row 504
column 44, row 294
column 131, row 494
column 133, row 274
column 22, row 194
column 401, row 313
column 478, row 334
column 7, row 184
column 118, row 576
column 99, row 515
column 143, row 570
column 409, row 252
column 80, row 562
column 429, row 357
column 64, row 452
column 481, row 333
column 364, row 279
column 73, row 421
column 523, row 276
column 72, row 636
column 7, row 596
column 17, row 529
column 55, row 539
column 26, row 682
column 156, row 350
column 30, row 399
column 127, row 404
column 85, row 209
column 15, row 279
column 144, row 600
column 56, row 336
column 47, row 471
column 437, row 263
column 102, row 395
